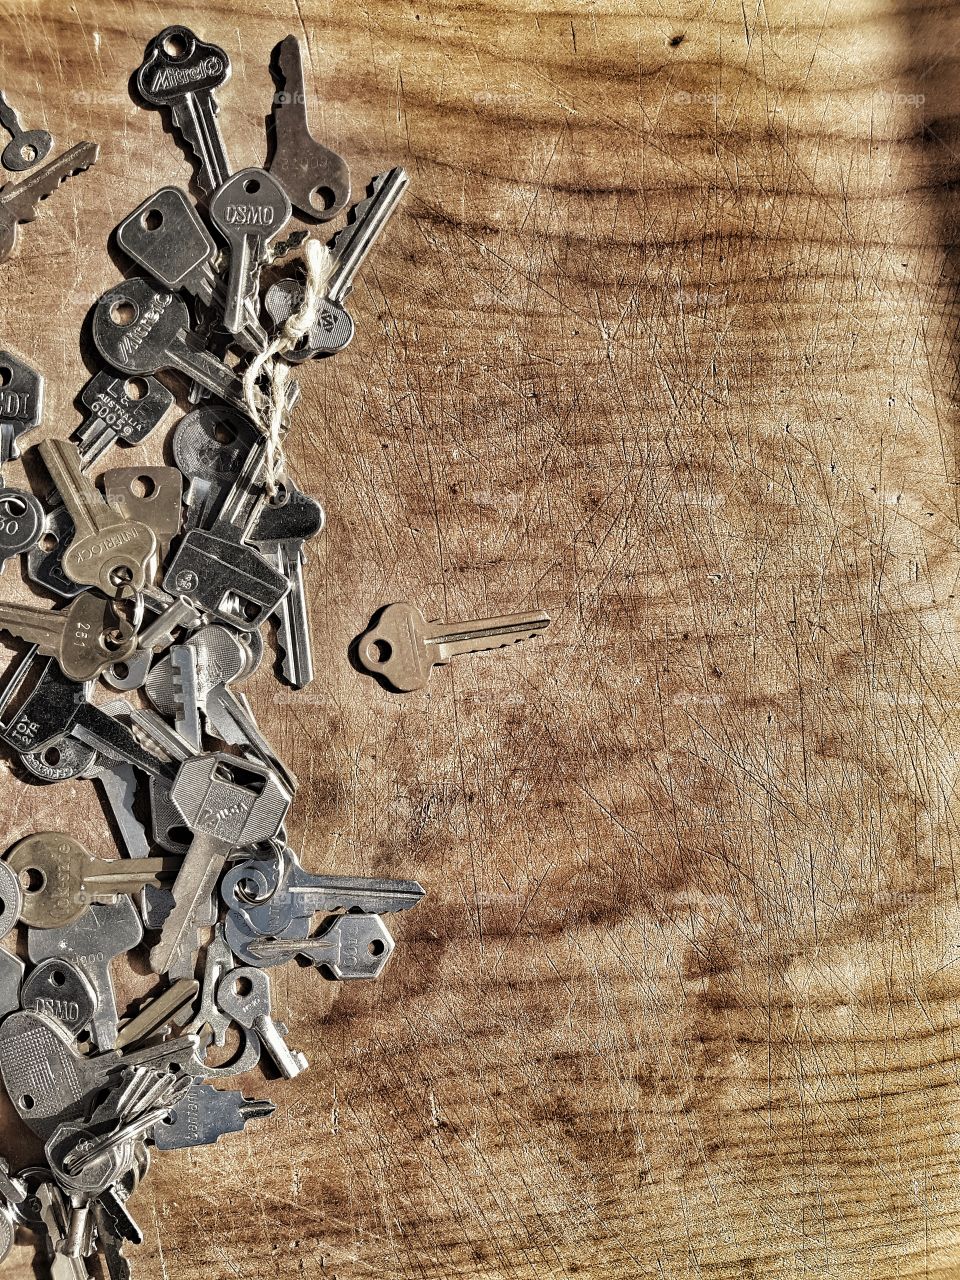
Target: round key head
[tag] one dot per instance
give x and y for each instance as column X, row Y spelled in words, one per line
column 392, row 647
column 212, row 442
column 61, row 990
column 176, row 62
column 95, row 636
column 68, row 757
column 50, row 866
column 244, row 995
column 21, row 522
column 29, row 147
column 135, row 323
column 332, row 330
column 11, row 899
column 290, row 515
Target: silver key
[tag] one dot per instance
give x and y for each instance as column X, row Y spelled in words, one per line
column 227, row 804
column 27, row 146
column 403, row 648
column 248, row 210
column 181, row 72
column 205, row 1114
column 60, row 989
column 333, row 327
column 355, row 947
column 244, row 994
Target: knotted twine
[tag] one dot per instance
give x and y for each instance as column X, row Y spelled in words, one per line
column 269, row 410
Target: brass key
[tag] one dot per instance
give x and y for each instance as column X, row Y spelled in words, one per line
column 60, row 879
column 403, row 648
column 108, row 550
column 85, row 638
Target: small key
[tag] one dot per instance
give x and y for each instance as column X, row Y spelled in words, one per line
column 57, row 705
column 182, row 73
column 205, row 1114
column 149, row 495
column 64, row 758
column 29, row 146
column 226, row 803
column 353, row 948
column 269, row 904
column 280, row 531
column 248, row 211
column 21, row 403
column 108, row 550
column 315, row 178
column 61, row 880
column 60, row 989
column 333, row 327
column 20, row 202
column 22, row 521
column 166, row 237
column 118, row 411
column 45, row 560
column 244, row 994
column 217, row 570
column 138, row 328
column 105, row 931
column 85, row 638
column 403, row 648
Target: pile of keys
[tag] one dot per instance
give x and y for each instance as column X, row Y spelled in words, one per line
column 166, row 578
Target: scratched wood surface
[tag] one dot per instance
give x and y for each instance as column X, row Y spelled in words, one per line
column 664, row 339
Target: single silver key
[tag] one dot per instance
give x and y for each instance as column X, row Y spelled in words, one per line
column 354, row 948
column 84, row 639
column 281, row 530
column 139, row 328
column 205, row 1114
column 333, row 327
column 248, row 211
column 403, row 648
column 166, row 236
column 227, row 803
column 27, row 146
column 21, row 403
column 182, row 73
column 244, row 994
column 118, row 411
column 62, row 990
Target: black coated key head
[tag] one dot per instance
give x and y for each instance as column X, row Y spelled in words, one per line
column 135, row 324
column 45, row 559
column 131, row 407
column 177, row 63
column 21, row 523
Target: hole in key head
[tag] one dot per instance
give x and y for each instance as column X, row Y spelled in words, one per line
column 49, row 542
column 379, row 651
column 175, row 45
column 242, row 987
column 252, row 186
column 27, row 1103
column 376, row 948
column 123, row 314
column 27, row 153
column 6, row 375
column 51, row 756
column 151, row 219
column 179, row 833
column 121, row 670
column 120, row 575
column 58, row 977
column 32, row 879
column 135, row 388
column 143, row 486
column 322, row 198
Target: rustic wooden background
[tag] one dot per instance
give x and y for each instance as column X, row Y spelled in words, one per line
column 664, row 339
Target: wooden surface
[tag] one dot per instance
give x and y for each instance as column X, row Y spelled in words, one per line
column 663, row 340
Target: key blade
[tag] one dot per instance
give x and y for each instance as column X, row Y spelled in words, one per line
column 198, row 875
column 446, row 640
column 347, row 893
column 351, row 245
column 22, row 199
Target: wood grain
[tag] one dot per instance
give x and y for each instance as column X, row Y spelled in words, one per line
column 664, row 340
